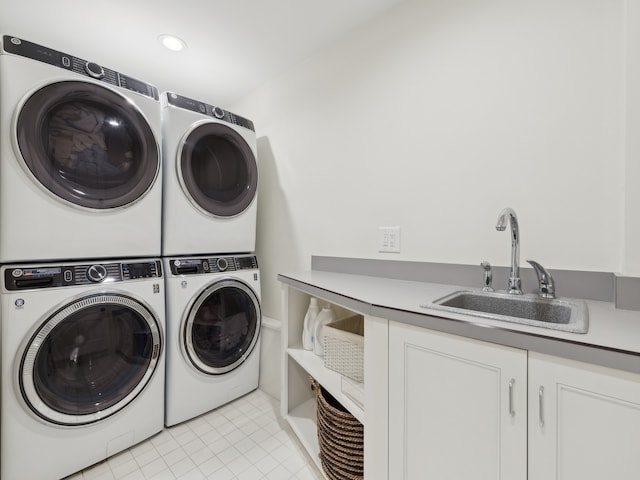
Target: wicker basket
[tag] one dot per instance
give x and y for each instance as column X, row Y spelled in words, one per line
column 340, row 437
column 344, row 347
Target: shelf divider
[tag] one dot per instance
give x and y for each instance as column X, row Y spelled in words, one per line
column 329, row 379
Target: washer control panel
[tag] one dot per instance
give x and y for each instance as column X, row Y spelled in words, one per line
column 25, row 277
column 37, row 52
column 205, row 109
column 200, row 265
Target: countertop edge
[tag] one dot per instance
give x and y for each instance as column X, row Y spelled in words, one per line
column 474, row 329
column 335, row 297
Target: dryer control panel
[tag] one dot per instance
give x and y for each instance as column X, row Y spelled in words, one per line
column 37, row 52
column 209, row 110
column 195, row 266
column 25, row 277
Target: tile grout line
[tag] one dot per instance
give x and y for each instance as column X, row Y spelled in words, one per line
column 243, row 440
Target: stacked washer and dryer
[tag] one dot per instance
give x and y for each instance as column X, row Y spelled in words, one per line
column 130, row 293
column 208, row 240
column 82, row 294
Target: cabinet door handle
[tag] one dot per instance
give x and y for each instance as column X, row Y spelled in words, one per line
column 540, row 412
column 512, row 412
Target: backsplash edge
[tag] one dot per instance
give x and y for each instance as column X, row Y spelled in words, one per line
column 588, row 285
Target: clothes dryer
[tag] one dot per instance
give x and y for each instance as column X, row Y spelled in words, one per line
column 210, row 179
column 80, row 172
column 213, row 329
column 82, row 364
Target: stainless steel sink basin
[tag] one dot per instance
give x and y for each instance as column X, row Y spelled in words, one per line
column 555, row 313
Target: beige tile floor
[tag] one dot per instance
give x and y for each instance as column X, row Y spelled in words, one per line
column 243, row 440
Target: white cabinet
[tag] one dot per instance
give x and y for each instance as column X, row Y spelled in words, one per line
column 457, row 407
column 440, row 406
column 460, row 408
column 584, row 421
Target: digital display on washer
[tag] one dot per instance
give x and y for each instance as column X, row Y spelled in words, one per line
column 133, row 84
column 140, row 270
column 246, row 262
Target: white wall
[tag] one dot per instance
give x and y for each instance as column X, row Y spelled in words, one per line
column 435, row 117
column 631, row 259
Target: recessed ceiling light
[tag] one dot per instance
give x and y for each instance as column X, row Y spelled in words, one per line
column 172, row 42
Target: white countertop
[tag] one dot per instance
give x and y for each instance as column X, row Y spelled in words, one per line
column 613, row 338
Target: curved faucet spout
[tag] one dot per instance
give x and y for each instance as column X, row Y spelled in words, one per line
column 509, row 215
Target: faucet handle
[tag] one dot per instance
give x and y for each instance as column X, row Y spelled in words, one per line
column 545, row 280
column 488, row 276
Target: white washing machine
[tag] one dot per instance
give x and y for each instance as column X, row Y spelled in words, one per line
column 82, row 364
column 210, row 179
column 213, row 329
column 80, row 169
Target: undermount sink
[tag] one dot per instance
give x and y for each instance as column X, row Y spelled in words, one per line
column 554, row 313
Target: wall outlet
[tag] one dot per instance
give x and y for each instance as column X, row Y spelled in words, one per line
column 389, row 239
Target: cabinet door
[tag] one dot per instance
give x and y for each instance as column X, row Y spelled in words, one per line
column 457, row 407
column 584, row 421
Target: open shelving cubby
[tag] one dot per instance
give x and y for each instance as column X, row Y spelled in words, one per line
column 298, row 404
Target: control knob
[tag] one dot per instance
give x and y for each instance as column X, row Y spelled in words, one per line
column 96, row 273
column 218, row 112
column 94, row 70
column 222, row 264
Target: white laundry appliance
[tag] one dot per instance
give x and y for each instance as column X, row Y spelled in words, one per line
column 82, row 363
column 80, row 169
column 213, row 329
column 210, row 179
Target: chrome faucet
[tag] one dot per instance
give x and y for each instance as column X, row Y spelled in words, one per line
column 508, row 214
column 545, row 281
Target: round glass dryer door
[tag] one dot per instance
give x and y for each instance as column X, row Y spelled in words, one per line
column 90, row 359
column 222, row 327
column 87, row 145
column 217, row 170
